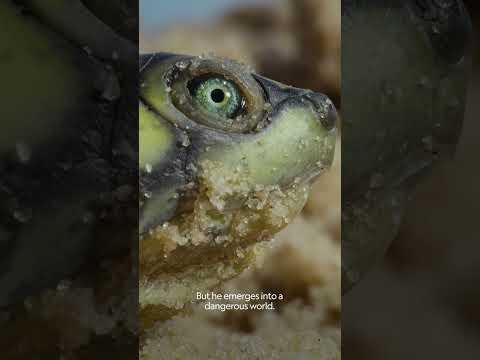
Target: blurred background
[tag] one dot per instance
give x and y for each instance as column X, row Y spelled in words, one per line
column 156, row 15
column 296, row 42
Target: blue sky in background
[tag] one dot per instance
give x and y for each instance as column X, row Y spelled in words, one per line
column 157, row 14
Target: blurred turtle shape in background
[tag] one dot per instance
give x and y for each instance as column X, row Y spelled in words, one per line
column 68, row 141
column 226, row 160
column 405, row 68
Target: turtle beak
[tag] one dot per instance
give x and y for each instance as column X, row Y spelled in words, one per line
column 326, row 112
column 278, row 93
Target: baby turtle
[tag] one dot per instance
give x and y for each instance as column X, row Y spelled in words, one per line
column 226, row 160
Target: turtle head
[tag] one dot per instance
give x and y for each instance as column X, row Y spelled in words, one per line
column 212, row 129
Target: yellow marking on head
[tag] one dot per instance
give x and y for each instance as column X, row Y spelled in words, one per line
column 155, row 138
column 293, row 146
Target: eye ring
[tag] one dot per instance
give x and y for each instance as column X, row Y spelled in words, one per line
column 239, row 105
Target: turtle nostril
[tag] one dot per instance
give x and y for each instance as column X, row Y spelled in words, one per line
column 324, row 107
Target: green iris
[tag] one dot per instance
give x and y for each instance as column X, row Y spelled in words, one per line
column 217, row 95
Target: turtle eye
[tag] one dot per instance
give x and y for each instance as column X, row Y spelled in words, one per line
column 217, row 95
column 224, row 98
column 208, row 92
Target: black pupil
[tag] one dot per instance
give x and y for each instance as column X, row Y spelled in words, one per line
column 217, row 95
